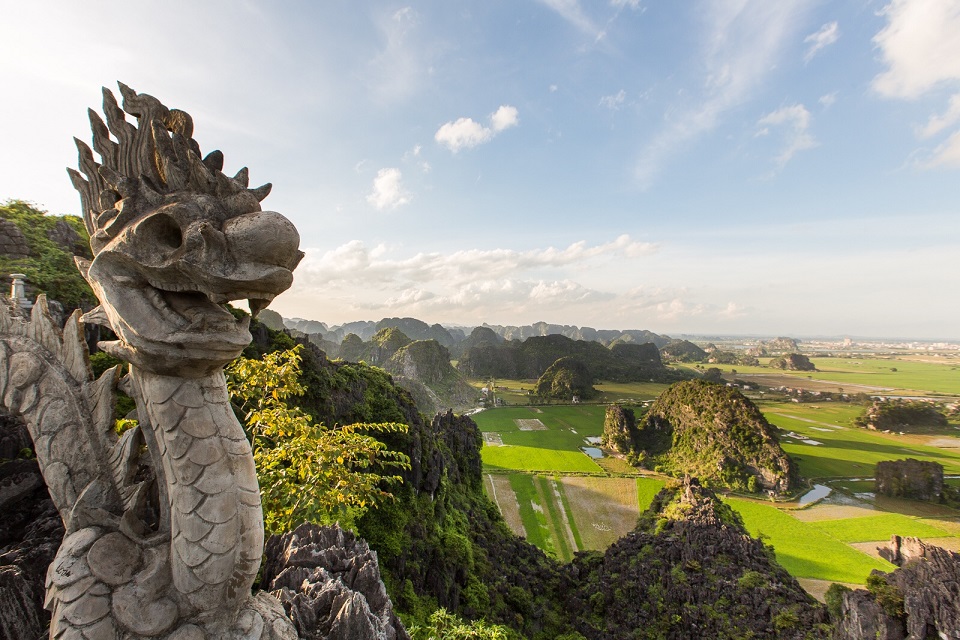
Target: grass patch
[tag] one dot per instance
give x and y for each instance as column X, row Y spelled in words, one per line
column 534, row 520
column 647, row 488
column 515, row 458
column 845, row 451
column 577, row 540
column 805, row 550
column 555, row 520
column 878, row 528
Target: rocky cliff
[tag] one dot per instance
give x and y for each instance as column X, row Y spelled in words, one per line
column 718, row 434
column 916, row 601
column 689, row 570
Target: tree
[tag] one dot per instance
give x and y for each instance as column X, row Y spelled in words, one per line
column 308, row 471
column 448, row 626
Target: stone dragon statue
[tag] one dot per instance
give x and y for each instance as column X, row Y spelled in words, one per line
column 164, row 527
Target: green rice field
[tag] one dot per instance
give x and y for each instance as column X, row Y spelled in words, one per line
column 805, row 550
column 569, row 501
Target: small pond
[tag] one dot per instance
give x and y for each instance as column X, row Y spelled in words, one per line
column 819, row 492
column 593, row 452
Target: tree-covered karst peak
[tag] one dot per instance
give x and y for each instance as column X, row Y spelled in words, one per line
column 716, row 433
column 566, row 379
column 793, row 362
column 682, row 351
column 423, row 368
column 901, row 415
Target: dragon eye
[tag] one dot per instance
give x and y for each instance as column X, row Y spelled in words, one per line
column 163, row 230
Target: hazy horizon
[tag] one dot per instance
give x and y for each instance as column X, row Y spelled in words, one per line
column 707, row 167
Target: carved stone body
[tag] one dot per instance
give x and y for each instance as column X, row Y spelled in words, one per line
column 164, row 524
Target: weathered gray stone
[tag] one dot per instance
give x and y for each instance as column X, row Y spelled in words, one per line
column 329, row 584
column 172, row 239
column 13, row 244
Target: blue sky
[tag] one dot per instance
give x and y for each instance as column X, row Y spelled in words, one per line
column 743, row 166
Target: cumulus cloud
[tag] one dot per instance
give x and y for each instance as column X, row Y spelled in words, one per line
column 919, row 46
column 356, row 263
column 614, row 101
column 466, row 133
column 796, row 119
column 921, row 51
column 388, row 191
column 826, row 36
column 828, row 100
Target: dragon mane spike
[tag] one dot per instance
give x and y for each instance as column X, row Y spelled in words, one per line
column 243, row 177
column 142, row 163
column 262, row 191
column 101, row 138
column 214, row 160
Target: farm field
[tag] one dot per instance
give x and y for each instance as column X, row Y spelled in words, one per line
column 564, row 501
column 853, row 375
column 845, row 451
column 565, row 514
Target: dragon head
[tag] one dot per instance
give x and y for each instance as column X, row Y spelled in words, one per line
column 174, row 240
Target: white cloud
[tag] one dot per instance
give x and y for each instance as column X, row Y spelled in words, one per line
column 466, row 133
column 828, row 100
column 504, row 118
column 388, row 191
column 614, row 101
column 938, row 123
column 570, row 11
column 920, row 47
column 947, row 154
column 633, row 4
column 797, row 120
column 354, row 263
column 396, row 72
column 826, row 36
column 743, row 41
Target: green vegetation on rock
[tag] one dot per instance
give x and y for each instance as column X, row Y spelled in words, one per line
column 715, row 433
column 50, row 242
column 901, row 415
column 566, row 379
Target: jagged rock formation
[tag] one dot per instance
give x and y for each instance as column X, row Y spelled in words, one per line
column 329, row 584
column 916, row 601
column 911, row 479
column 566, row 379
column 30, row 533
column 682, row 351
column 689, row 570
column 718, row 434
column 792, row 362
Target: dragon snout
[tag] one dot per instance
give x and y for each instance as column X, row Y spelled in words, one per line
column 264, row 237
